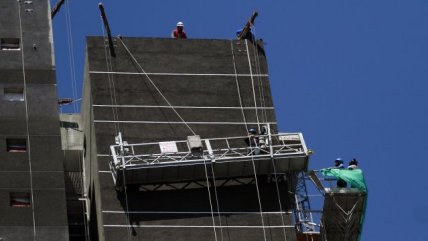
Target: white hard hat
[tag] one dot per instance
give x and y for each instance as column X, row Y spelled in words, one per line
column 180, row 24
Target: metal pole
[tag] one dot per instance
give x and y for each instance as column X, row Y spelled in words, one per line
column 56, row 8
column 270, row 141
column 122, row 151
column 247, row 26
column 107, row 27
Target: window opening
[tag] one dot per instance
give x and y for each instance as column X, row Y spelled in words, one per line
column 10, row 44
column 16, row 145
column 67, row 124
column 20, row 199
column 14, row 94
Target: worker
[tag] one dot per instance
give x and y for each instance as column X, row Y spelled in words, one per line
column 178, row 32
column 263, row 141
column 249, row 35
column 338, row 164
column 353, row 164
column 352, row 175
column 253, row 142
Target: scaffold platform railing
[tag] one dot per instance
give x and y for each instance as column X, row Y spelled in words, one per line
column 184, row 159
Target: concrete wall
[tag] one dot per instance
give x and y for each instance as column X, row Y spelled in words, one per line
column 39, row 170
column 178, row 65
column 207, row 74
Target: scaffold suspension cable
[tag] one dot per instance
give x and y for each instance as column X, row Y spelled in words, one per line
column 154, row 85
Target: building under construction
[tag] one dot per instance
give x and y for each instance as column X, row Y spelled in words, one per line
column 161, row 149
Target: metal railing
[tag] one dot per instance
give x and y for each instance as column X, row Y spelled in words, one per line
column 228, row 149
column 306, row 218
column 309, row 200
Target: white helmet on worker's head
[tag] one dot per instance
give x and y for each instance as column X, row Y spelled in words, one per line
column 180, row 24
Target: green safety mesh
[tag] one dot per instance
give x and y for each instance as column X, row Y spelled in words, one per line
column 354, row 177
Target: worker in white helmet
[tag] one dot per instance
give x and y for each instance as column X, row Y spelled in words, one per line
column 179, row 31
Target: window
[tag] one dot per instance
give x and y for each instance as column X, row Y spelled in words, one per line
column 20, row 199
column 14, row 94
column 16, row 145
column 67, row 124
column 10, row 44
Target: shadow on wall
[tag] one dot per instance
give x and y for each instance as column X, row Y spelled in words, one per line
column 231, row 205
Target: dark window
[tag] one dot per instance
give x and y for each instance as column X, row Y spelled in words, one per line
column 16, row 145
column 66, row 124
column 20, row 199
column 10, row 44
column 14, row 94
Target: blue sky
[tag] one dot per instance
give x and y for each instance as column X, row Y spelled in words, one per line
column 351, row 75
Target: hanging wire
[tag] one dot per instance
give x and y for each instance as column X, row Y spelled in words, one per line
column 113, row 99
column 258, row 192
column 27, row 120
column 252, row 147
column 238, row 88
column 259, row 78
column 75, row 104
column 210, row 199
column 217, row 202
column 252, row 85
column 246, row 126
column 71, row 55
column 112, row 89
column 154, row 85
column 279, row 198
column 264, row 115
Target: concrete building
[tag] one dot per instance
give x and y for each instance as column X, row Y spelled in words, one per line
column 72, row 146
column 140, row 108
column 177, row 140
column 32, row 194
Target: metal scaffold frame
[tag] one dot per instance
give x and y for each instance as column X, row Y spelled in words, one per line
column 196, row 151
column 342, row 209
column 304, row 215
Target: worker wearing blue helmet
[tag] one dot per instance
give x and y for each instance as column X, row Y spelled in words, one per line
column 253, row 141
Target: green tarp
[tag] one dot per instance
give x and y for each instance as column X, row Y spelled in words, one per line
column 353, row 177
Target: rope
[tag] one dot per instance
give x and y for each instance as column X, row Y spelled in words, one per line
column 217, row 202
column 26, row 121
column 246, row 126
column 71, row 55
column 258, row 195
column 252, row 84
column 259, row 78
column 238, row 88
column 112, row 89
column 279, row 198
column 252, row 157
column 209, row 196
column 154, row 85
column 75, row 106
column 264, row 114
column 113, row 99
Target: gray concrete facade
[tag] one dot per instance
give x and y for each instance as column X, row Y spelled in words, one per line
column 220, row 88
column 72, row 146
column 32, row 193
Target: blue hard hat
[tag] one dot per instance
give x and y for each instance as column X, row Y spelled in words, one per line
column 340, row 160
column 252, row 131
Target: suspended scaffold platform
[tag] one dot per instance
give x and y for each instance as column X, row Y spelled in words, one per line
column 343, row 210
column 188, row 160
